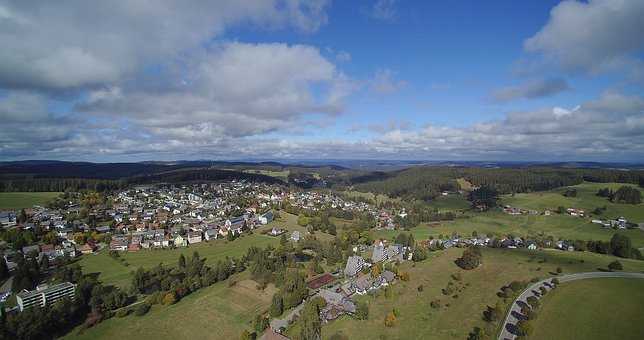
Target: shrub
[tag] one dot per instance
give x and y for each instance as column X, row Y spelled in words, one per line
column 470, row 259
column 524, row 327
column 559, row 270
column 362, row 311
column 615, row 265
column 142, row 309
column 533, row 301
column 457, row 276
column 555, row 281
column 420, row 288
column 169, row 299
column 390, row 319
column 435, row 304
column 121, row 313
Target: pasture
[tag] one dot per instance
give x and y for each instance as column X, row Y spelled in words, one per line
column 215, row 312
column 458, row 315
column 19, row 200
column 586, row 199
column 592, row 309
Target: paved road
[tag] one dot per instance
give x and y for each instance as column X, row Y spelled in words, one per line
column 515, row 311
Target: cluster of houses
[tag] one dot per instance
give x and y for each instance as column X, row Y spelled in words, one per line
column 618, row 223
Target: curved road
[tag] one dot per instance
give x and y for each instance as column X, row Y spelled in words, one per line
column 515, row 311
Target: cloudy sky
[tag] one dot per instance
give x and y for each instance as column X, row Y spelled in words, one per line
column 134, row 80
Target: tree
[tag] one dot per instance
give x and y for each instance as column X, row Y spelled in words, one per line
column 261, row 323
column 277, row 306
column 169, row 299
column 182, row 261
column 470, row 259
column 484, row 197
column 310, row 321
column 476, row 334
column 615, row 265
column 390, row 319
column 621, row 245
column 4, row 270
column 362, row 311
column 376, row 270
column 142, row 309
column 627, row 194
column 524, row 327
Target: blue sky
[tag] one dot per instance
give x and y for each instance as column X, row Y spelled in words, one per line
column 288, row 79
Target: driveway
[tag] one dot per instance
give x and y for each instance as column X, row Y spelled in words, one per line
column 514, row 314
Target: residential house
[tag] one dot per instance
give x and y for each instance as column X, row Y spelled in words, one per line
column 354, row 266
column 180, row 241
column 194, row 237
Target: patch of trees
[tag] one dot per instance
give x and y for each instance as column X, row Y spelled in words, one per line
column 627, row 194
column 470, row 259
column 291, row 294
column 619, row 245
column 188, row 276
column 311, row 325
column 570, row 192
column 58, row 184
column 92, row 303
column 484, row 197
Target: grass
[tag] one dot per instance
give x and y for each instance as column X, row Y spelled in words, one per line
column 585, row 199
column 19, row 200
column 464, row 184
column 499, row 223
column 218, row 311
column 377, row 198
column 592, row 309
column 283, row 175
column 450, row 202
column 418, row 320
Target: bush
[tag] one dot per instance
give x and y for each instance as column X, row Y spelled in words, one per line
column 142, row 309
column 362, row 311
column 559, row 270
column 169, row 299
column 470, row 259
column 121, row 313
column 435, row 304
column 524, row 327
column 555, row 281
column 390, row 319
column 615, row 265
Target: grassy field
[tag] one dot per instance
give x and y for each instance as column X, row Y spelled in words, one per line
column 592, row 309
column 450, row 202
column 19, row 200
column 215, row 312
column 114, row 272
column 283, row 175
column 377, row 198
column 498, row 223
column 585, row 199
column 418, row 320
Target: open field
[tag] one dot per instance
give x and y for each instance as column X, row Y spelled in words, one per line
column 377, row 198
column 283, row 175
column 114, row 272
column 602, row 309
column 498, row 223
column 586, row 199
column 19, row 200
column 215, row 312
column 450, row 202
column 418, row 320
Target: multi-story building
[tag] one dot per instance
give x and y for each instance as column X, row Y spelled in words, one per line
column 46, row 295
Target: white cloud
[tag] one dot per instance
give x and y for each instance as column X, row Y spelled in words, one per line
column 593, row 36
column 59, row 45
column 530, row 90
column 384, row 82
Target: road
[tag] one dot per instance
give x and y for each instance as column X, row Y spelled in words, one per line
column 515, row 311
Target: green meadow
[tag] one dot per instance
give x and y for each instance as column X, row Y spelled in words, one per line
column 461, row 312
column 19, row 200
column 586, row 199
column 592, row 309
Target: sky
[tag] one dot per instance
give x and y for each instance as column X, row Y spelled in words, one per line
column 138, row 80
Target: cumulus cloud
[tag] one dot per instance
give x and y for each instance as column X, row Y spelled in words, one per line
column 530, row 90
column 233, row 90
column 54, row 45
column 593, row 36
